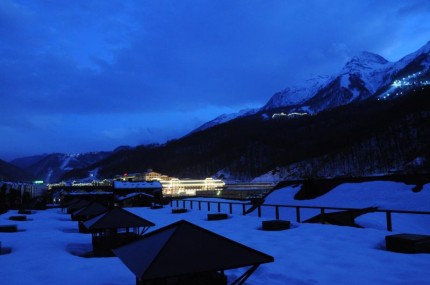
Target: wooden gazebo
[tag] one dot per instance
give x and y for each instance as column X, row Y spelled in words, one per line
column 114, row 228
column 183, row 253
column 65, row 205
column 86, row 213
column 78, row 204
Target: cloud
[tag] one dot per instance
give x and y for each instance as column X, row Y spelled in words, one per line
column 127, row 59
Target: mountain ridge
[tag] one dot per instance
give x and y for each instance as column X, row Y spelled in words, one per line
column 342, row 126
column 365, row 75
column 51, row 167
column 345, row 139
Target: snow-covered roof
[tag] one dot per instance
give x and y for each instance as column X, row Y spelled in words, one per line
column 183, row 248
column 115, row 219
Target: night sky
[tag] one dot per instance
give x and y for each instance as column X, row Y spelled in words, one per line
column 79, row 76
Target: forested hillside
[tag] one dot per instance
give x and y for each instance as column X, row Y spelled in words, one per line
column 362, row 138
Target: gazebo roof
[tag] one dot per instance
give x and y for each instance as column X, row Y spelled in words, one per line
column 93, row 209
column 73, row 201
column 115, row 219
column 78, row 205
column 183, row 248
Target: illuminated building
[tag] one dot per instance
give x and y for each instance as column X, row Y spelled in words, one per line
column 188, row 187
column 279, row 115
column 149, row 175
column 240, row 191
column 173, row 186
column 296, row 114
column 292, row 115
column 126, row 187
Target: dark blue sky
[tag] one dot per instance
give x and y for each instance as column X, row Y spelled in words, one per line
column 78, row 76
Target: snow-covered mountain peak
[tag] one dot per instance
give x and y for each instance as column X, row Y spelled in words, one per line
column 419, row 58
column 365, row 75
column 224, row 118
column 424, row 49
column 296, row 94
column 365, row 61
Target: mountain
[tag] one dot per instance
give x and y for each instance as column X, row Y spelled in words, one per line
column 370, row 137
column 409, row 72
column 295, row 95
column 359, row 79
column 25, row 162
column 418, row 61
column 51, row 167
column 225, row 118
column 10, row 172
column 354, row 128
column 364, row 76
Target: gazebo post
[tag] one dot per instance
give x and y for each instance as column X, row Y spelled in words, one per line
column 244, row 276
column 144, row 229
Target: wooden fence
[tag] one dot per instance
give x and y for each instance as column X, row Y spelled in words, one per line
column 245, row 207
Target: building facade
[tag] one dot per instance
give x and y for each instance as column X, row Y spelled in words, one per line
column 172, row 186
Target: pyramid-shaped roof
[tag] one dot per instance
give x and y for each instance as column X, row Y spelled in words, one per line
column 78, row 205
column 115, row 219
column 183, row 248
column 93, row 209
column 73, row 201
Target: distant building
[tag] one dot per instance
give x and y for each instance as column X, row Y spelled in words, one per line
column 292, row 115
column 189, row 187
column 297, row 114
column 152, row 175
column 240, row 191
column 149, row 175
column 136, row 186
column 139, row 193
column 279, row 116
column 173, row 186
column 31, row 190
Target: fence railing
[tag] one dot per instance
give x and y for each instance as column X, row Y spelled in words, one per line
column 209, row 205
column 200, row 205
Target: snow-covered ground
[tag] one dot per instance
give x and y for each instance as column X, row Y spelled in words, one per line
column 305, row 254
column 384, row 195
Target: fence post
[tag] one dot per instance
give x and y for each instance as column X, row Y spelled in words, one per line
column 298, row 214
column 183, row 203
column 219, row 207
column 200, row 205
column 177, row 203
column 230, row 208
column 277, row 212
column 191, row 204
column 243, row 209
column 259, row 211
column 389, row 223
column 209, row 206
column 171, row 203
column 351, row 217
column 322, row 215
